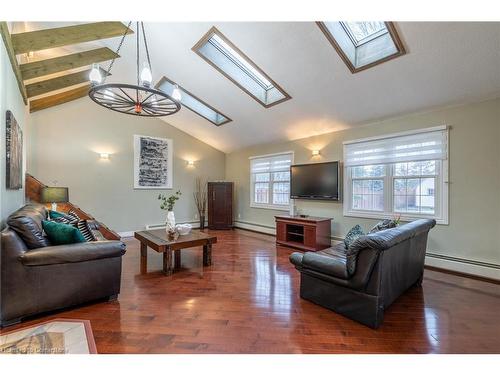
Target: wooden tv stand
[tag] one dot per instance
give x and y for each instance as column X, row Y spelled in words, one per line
column 308, row 233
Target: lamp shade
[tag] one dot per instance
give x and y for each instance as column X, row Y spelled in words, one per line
column 54, row 195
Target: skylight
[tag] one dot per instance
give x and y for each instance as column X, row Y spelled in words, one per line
column 193, row 103
column 224, row 56
column 362, row 32
column 362, row 45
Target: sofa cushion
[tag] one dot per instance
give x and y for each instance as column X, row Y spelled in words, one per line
column 27, row 223
column 385, row 239
column 61, row 217
column 383, row 225
column 94, row 227
column 62, row 234
column 74, row 253
column 355, row 232
column 72, row 218
column 84, row 228
column 331, row 261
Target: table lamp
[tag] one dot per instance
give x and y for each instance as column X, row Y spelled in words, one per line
column 54, row 195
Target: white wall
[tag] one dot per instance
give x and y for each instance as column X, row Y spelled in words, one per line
column 10, row 99
column 65, row 146
column 474, row 189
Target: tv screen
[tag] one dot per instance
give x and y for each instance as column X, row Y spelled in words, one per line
column 315, row 181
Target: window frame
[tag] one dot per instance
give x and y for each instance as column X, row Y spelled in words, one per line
column 215, row 31
column 269, row 206
column 165, row 79
column 441, row 194
column 400, row 48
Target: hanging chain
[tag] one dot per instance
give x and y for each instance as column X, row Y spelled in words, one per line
column 137, row 62
column 146, row 47
column 117, row 50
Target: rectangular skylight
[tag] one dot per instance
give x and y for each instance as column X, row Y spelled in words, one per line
column 193, row 103
column 362, row 32
column 363, row 44
column 224, row 56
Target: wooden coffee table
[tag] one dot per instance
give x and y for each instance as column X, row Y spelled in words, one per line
column 157, row 240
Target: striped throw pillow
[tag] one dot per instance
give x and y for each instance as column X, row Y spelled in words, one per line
column 83, row 227
column 63, row 218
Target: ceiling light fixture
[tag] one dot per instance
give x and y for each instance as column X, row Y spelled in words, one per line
column 139, row 99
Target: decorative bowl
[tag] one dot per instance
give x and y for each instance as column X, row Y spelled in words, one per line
column 183, row 229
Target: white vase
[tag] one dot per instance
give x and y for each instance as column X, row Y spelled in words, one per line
column 170, row 222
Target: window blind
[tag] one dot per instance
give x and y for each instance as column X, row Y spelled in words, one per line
column 276, row 163
column 430, row 144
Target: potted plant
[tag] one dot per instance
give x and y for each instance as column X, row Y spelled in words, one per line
column 167, row 203
column 200, row 200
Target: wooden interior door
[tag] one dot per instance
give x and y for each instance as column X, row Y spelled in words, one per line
column 220, row 205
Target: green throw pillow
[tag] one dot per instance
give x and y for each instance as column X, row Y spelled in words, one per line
column 355, row 232
column 54, row 214
column 62, row 234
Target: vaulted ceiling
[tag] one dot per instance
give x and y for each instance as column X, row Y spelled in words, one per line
column 446, row 63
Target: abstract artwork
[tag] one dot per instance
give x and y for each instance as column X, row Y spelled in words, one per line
column 14, row 153
column 152, row 162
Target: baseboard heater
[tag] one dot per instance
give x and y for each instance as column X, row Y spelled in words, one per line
column 270, row 230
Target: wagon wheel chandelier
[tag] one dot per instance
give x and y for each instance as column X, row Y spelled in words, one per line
column 133, row 99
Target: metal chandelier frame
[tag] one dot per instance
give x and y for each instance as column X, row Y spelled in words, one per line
column 139, row 99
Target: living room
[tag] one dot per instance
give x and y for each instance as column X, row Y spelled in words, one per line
column 180, row 187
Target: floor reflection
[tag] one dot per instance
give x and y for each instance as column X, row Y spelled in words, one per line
column 272, row 288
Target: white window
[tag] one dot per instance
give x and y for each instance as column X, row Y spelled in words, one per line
column 400, row 174
column 270, row 181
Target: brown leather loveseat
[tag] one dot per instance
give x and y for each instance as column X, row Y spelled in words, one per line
column 37, row 277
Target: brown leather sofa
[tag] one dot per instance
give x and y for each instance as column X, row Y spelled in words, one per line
column 364, row 280
column 36, row 277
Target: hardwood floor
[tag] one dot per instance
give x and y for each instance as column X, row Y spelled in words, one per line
column 248, row 302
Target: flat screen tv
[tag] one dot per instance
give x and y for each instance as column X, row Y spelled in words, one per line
column 315, row 181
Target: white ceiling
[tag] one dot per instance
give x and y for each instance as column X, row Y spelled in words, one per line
column 447, row 63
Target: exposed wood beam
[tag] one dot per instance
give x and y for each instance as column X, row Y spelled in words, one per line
column 56, row 99
column 7, row 41
column 58, row 83
column 58, row 64
column 63, row 36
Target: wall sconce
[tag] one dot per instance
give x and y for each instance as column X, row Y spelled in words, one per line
column 190, row 163
column 104, row 156
column 315, row 152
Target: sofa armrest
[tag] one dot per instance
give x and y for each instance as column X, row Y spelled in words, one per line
column 74, row 253
column 335, row 267
column 332, row 266
column 296, row 259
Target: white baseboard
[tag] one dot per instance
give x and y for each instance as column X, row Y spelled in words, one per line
column 432, row 259
column 255, row 227
column 461, row 266
column 194, row 224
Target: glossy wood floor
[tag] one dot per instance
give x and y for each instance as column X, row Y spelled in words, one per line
column 248, row 302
